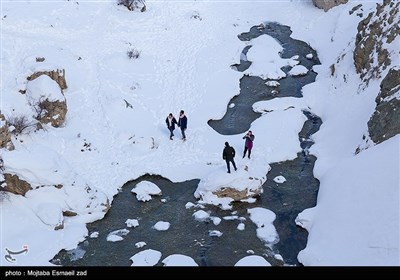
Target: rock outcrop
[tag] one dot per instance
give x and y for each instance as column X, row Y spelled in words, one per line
column 238, row 195
column 46, row 96
column 328, row 4
column 54, row 112
column 56, row 75
column 375, row 32
column 5, row 135
column 15, row 185
column 385, row 122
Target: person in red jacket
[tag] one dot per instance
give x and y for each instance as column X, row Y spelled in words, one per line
column 248, row 144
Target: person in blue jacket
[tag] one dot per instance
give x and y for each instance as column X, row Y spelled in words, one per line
column 182, row 123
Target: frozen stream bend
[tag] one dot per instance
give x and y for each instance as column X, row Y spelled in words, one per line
column 192, row 238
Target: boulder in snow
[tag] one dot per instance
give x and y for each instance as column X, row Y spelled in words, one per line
column 328, row 4
column 145, row 189
column 15, row 185
column 47, row 100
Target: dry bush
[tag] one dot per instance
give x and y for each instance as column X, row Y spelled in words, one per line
column 19, row 123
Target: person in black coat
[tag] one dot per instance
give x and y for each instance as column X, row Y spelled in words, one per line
column 171, row 121
column 228, row 154
column 182, row 123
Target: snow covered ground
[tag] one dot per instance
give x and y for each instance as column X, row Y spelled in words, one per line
column 186, row 48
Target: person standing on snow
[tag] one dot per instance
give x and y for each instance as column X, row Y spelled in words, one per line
column 228, row 154
column 182, row 123
column 171, row 121
column 248, row 144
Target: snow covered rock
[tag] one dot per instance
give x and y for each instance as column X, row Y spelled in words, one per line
column 201, row 215
column 279, row 179
column 252, row 261
column 162, row 226
column 221, row 188
column 140, row 244
column 264, row 218
column 179, row 260
column 132, row 223
column 47, row 100
column 147, row 257
column 145, row 189
column 215, row 233
column 117, row 235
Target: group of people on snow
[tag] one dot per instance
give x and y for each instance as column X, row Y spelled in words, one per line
column 228, row 153
column 182, row 123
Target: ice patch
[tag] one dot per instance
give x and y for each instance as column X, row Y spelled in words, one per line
column 241, row 226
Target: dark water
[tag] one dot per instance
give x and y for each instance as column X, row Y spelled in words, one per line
column 190, row 237
column 253, row 89
column 185, row 235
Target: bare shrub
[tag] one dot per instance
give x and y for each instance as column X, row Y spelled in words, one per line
column 19, row 123
column 133, row 53
column 133, row 5
column 37, row 105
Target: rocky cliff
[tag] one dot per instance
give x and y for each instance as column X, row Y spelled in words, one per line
column 373, row 55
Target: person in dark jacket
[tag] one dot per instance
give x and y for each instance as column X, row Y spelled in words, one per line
column 228, row 155
column 182, row 123
column 171, row 121
column 248, row 144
